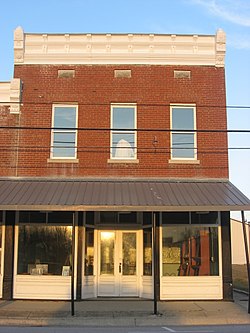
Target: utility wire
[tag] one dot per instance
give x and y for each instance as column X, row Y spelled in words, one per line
column 74, row 103
column 102, row 129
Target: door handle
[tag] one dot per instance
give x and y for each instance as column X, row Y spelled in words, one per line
column 120, row 267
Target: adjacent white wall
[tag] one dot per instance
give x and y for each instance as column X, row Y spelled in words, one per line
column 237, row 242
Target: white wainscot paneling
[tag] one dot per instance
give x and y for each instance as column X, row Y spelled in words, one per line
column 129, row 286
column 191, row 288
column 146, row 288
column 42, row 287
column 88, row 287
column 107, row 286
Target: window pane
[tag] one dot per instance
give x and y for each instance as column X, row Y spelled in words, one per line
column 123, row 145
column 123, row 118
column 64, row 144
column 89, row 252
column 190, row 251
column 32, row 217
column 60, row 217
column 108, row 217
column 183, row 118
column 204, row 218
column 44, row 250
column 175, row 218
column 107, row 252
column 147, row 251
column 118, row 217
column 90, row 218
column 183, row 145
column 65, row 117
column 147, row 218
column 127, row 218
column 129, row 253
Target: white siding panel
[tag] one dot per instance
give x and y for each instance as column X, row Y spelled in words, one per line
column 190, row 288
column 42, row 287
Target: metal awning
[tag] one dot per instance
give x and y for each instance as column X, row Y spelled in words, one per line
column 120, row 195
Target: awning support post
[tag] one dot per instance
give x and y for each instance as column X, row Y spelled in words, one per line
column 73, row 269
column 247, row 256
column 155, row 258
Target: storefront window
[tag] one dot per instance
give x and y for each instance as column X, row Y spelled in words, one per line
column 118, row 217
column 147, row 251
column 89, row 252
column 190, row 251
column 44, row 250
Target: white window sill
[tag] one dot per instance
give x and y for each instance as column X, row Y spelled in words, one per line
column 62, row 160
column 135, row 161
column 184, row 161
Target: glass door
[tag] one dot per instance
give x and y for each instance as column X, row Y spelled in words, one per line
column 118, row 264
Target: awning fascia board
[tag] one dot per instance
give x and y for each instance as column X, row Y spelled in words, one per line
column 125, row 208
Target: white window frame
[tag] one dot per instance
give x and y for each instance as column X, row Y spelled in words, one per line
column 190, row 283
column 53, row 131
column 181, row 106
column 129, row 131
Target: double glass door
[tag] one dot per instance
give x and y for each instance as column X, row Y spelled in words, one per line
column 118, row 263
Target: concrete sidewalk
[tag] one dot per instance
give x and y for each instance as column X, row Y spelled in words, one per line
column 128, row 313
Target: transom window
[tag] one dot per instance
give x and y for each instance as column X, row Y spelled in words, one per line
column 64, row 133
column 123, row 134
column 183, row 140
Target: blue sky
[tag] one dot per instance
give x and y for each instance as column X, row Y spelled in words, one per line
column 154, row 16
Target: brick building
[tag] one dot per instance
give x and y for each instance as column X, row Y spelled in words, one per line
column 114, row 168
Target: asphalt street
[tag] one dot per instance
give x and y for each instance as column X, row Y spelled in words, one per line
column 171, row 329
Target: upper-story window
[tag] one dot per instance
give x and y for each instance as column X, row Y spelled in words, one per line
column 123, row 134
column 64, row 133
column 183, row 140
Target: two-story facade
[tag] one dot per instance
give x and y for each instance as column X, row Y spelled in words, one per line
column 114, row 168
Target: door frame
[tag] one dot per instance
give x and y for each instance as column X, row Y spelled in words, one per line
column 118, row 279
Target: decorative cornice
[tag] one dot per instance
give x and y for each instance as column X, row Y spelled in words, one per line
column 119, row 49
column 18, row 45
column 4, row 93
column 10, row 94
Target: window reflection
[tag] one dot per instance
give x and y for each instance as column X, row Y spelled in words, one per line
column 107, row 252
column 190, row 251
column 147, row 251
column 123, row 135
column 129, row 253
column 89, row 252
column 44, row 250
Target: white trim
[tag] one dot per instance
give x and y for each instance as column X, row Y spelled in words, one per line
column 132, row 131
column 192, row 287
column 65, row 105
column 89, row 285
column 42, row 286
column 5, row 93
column 180, row 106
column 153, row 49
column 117, row 284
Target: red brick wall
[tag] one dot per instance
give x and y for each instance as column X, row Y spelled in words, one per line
column 8, row 142
column 153, row 88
